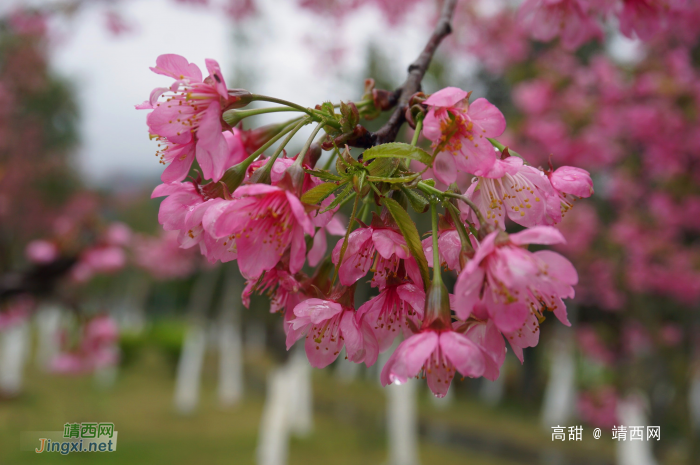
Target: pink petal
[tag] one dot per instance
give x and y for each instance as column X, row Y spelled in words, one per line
column 255, row 189
column 413, row 295
column 507, row 317
column 228, row 219
column 360, row 343
column 256, row 256
column 476, row 157
column 431, row 126
column 389, row 243
column 324, row 352
column 447, row 97
column 444, row 168
column 318, row 249
column 178, row 169
column 335, row 226
column 490, row 340
column 486, row 247
column 546, row 235
column 468, row 291
column 463, row 353
column 315, row 311
column 177, row 67
column 212, row 149
column 490, row 119
column 558, row 266
column 409, row 357
column 215, row 73
column 300, row 213
column 297, row 251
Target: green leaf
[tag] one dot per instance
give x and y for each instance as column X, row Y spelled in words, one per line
column 410, row 233
column 341, row 198
column 391, row 180
column 316, row 194
column 398, row 150
column 323, row 174
column 383, row 167
column 419, row 203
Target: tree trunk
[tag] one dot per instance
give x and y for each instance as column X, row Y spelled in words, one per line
column 402, row 424
column 14, row 348
column 230, row 344
column 189, row 368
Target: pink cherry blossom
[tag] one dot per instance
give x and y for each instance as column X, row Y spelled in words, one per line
column 570, row 183
column 334, row 227
column 265, row 221
column 328, row 327
column 513, row 283
column 439, row 354
column 190, row 117
column 515, row 190
column 390, row 249
column 599, row 407
column 389, row 312
column 449, row 248
column 490, row 341
column 98, row 348
column 118, row 234
column 568, row 19
column 41, row 251
column 460, row 130
column 163, row 257
column 642, row 18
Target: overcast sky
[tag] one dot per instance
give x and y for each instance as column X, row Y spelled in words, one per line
column 286, row 54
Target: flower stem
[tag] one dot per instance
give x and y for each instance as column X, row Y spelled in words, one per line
column 502, row 147
column 416, row 133
column 437, row 274
column 331, row 159
column 317, row 115
column 344, row 247
column 307, row 144
column 233, row 117
column 263, row 174
column 482, row 222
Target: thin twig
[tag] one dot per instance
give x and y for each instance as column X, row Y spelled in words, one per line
column 416, row 71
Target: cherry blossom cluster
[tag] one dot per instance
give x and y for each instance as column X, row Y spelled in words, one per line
column 272, row 213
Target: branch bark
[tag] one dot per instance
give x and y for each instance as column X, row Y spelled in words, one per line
column 416, row 71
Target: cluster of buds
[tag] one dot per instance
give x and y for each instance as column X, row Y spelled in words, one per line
column 271, row 213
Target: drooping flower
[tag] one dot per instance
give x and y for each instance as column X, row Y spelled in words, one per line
column 460, row 130
column 512, row 283
column 439, row 354
column 489, row 340
column 265, row 220
column 379, row 247
column 328, row 326
column 179, row 157
column 515, row 190
column 449, row 246
column 389, row 313
column 190, row 117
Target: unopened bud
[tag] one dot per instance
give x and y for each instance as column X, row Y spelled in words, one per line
column 437, row 306
column 256, row 138
column 313, row 154
column 238, row 98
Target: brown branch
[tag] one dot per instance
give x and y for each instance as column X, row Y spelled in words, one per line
column 416, row 71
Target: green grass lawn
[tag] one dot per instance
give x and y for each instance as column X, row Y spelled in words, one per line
column 348, row 419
